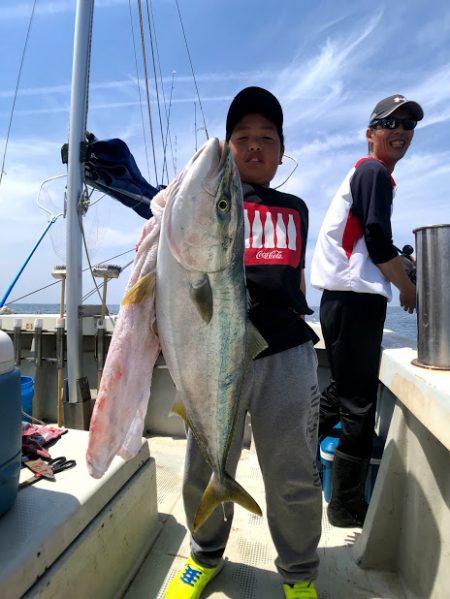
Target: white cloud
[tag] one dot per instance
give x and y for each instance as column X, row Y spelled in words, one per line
column 336, row 63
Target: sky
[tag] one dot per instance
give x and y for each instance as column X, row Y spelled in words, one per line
column 328, row 61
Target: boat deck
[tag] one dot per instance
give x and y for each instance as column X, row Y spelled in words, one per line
column 250, row 572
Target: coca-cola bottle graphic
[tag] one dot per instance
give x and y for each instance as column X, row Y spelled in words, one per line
column 246, row 229
column 292, row 233
column 281, row 232
column 257, row 230
column 269, row 232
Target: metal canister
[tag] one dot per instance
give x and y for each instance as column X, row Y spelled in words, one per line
column 433, row 296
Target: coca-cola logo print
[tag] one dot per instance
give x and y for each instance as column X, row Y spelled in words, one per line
column 272, row 235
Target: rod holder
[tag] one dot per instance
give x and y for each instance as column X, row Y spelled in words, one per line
column 37, row 342
column 77, row 414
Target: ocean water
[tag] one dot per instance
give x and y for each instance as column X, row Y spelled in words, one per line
column 48, row 308
column 397, row 319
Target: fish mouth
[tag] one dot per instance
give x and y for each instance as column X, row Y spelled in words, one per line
column 207, row 245
column 224, row 154
column 217, row 168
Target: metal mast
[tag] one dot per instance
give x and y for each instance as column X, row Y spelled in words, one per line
column 77, row 134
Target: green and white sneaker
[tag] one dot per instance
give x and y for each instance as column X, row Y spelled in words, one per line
column 300, row 590
column 189, row 582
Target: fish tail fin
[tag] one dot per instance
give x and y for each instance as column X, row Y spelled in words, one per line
column 219, row 490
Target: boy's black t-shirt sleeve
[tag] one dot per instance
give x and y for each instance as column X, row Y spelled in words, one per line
column 371, row 188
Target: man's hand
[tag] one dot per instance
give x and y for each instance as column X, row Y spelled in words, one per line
column 408, row 299
column 394, row 271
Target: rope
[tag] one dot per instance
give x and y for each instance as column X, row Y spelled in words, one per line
column 17, row 89
column 192, row 69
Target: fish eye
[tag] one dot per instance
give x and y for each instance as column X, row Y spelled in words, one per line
column 223, row 205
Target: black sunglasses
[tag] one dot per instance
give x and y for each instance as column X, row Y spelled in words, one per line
column 391, row 123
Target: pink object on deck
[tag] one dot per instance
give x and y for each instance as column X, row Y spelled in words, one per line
column 117, row 421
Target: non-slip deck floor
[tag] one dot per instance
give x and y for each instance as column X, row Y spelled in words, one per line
column 250, row 572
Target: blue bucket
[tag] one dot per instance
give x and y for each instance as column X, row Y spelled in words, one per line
column 27, row 393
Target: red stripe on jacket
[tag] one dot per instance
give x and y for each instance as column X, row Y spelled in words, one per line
column 353, row 230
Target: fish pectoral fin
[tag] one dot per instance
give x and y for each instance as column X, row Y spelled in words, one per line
column 201, row 295
column 218, row 491
column 178, row 409
column 255, row 342
column 141, row 290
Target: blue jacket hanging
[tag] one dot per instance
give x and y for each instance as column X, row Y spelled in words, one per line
column 111, row 168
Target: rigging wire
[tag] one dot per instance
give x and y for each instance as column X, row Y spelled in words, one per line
column 90, row 268
column 141, row 26
column 139, row 90
column 165, row 138
column 155, row 77
column 89, row 293
column 93, row 291
column 17, row 89
column 192, row 69
column 168, row 137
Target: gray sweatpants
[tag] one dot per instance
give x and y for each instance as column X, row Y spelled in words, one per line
column 281, row 393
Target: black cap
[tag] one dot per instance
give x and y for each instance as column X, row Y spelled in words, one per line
column 389, row 105
column 255, row 100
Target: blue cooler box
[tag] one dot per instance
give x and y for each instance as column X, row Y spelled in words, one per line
column 327, row 450
column 10, row 425
column 27, row 393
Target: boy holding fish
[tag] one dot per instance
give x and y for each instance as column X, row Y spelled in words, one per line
column 280, row 388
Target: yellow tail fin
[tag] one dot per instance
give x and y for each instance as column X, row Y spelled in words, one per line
column 220, row 490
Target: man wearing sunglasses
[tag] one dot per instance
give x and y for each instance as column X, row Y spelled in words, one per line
column 354, row 263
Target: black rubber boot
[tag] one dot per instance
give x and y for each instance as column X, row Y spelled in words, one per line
column 348, row 507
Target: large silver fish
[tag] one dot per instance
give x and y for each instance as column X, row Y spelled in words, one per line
column 201, row 312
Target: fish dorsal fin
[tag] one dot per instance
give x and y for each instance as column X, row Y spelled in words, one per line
column 201, row 295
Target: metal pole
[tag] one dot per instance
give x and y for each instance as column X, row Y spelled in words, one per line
column 10, row 288
column 77, row 132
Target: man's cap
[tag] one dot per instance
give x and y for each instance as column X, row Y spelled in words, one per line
column 389, row 105
column 254, row 100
